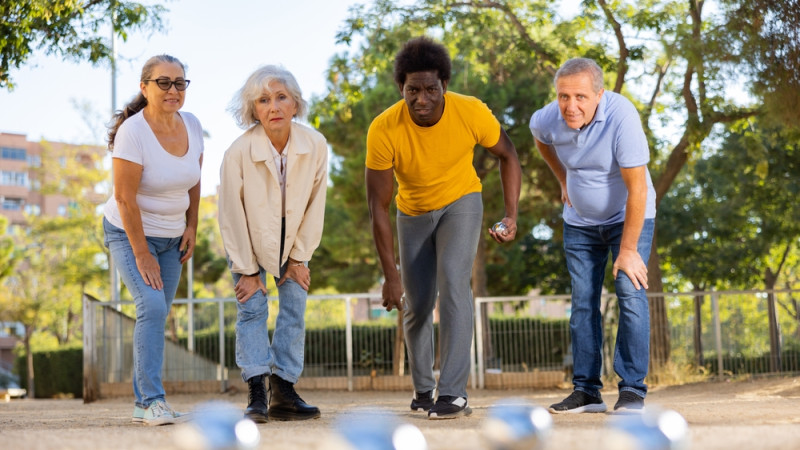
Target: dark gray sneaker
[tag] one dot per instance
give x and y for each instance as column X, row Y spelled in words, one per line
column 422, row 401
column 629, row 403
column 578, row 402
column 449, row 407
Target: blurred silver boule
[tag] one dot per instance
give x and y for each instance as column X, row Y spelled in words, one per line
column 515, row 425
column 499, row 228
column 217, row 425
column 378, row 430
column 656, row 429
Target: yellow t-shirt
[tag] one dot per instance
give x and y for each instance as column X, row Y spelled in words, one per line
column 433, row 165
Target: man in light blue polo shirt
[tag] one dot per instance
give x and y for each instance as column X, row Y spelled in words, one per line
column 594, row 143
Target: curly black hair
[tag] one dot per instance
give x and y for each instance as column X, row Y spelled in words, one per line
column 421, row 54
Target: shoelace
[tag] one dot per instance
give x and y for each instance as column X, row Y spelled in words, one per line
column 287, row 391
column 258, row 395
column 160, row 408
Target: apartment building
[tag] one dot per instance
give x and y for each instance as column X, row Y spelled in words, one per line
column 20, row 176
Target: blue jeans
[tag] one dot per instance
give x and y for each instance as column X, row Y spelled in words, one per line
column 255, row 355
column 587, row 256
column 152, row 307
column 437, row 250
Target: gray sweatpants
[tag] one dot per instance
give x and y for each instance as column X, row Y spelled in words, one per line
column 437, row 250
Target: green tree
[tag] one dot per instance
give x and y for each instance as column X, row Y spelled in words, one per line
column 674, row 58
column 731, row 222
column 6, row 250
column 68, row 29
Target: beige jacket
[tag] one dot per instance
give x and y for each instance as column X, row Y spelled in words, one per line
column 250, row 199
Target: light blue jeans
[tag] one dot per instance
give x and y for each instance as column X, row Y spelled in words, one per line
column 437, row 250
column 152, row 307
column 587, row 251
column 255, row 355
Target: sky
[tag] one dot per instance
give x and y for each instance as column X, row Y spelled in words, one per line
column 221, row 43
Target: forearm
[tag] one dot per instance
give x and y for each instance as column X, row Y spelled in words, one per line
column 384, row 244
column 634, row 220
column 511, row 177
column 194, row 207
column 132, row 223
column 552, row 161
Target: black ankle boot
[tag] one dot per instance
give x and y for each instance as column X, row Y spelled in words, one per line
column 285, row 404
column 257, row 400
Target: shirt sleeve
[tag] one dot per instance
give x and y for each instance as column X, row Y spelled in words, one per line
column 487, row 126
column 538, row 128
column 128, row 144
column 631, row 149
column 380, row 151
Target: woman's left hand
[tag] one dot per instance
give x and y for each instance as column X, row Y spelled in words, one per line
column 188, row 242
column 298, row 272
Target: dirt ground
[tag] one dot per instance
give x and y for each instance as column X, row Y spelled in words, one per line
column 759, row 413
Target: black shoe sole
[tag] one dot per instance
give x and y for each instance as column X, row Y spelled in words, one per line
column 454, row 415
column 287, row 416
column 257, row 417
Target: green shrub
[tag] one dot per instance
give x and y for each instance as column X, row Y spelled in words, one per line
column 56, row 373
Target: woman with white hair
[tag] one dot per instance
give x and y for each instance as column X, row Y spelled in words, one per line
column 271, row 208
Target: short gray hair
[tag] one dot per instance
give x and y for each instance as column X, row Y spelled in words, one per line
column 243, row 104
column 575, row 66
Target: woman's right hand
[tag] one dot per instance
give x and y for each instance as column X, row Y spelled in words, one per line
column 247, row 286
column 150, row 271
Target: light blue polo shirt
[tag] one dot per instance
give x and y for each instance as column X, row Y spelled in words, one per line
column 593, row 156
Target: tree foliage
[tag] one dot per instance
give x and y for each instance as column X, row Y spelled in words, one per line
column 70, row 29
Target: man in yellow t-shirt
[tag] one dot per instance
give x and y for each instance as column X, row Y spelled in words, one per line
column 427, row 141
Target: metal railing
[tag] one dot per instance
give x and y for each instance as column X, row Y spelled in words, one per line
column 512, row 335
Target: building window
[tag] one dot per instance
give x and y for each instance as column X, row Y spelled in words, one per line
column 35, row 161
column 12, row 204
column 33, row 210
column 13, row 178
column 62, row 210
column 13, row 153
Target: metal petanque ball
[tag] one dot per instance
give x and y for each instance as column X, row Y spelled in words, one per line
column 499, row 228
column 216, row 426
column 516, row 425
column 377, row 430
column 656, row 429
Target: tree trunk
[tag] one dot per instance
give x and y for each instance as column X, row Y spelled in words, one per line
column 770, row 279
column 29, row 360
column 698, row 331
column 659, row 325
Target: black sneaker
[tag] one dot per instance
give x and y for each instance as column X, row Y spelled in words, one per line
column 449, row 407
column 578, row 402
column 629, row 403
column 422, row 401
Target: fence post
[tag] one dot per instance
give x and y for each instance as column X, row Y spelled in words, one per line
column 222, row 372
column 190, row 305
column 349, row 342
column 479, row 342
column 717, row 332
column 91, row 390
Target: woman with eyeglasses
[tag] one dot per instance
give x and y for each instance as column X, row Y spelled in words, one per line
column 271, row 207
column 150, row 222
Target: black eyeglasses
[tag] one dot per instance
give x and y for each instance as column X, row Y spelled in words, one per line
column 166, row 83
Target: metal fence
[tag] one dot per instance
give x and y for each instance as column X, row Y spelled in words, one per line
column 350, row 335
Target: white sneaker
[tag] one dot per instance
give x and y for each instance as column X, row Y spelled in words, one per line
column 159, row 413
column 138, row 414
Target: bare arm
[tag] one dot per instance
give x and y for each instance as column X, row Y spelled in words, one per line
column 127, row 176
column 629, row 260
column 189, row 239
column 380, row 185
column 549, row 155
column 511, row 178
